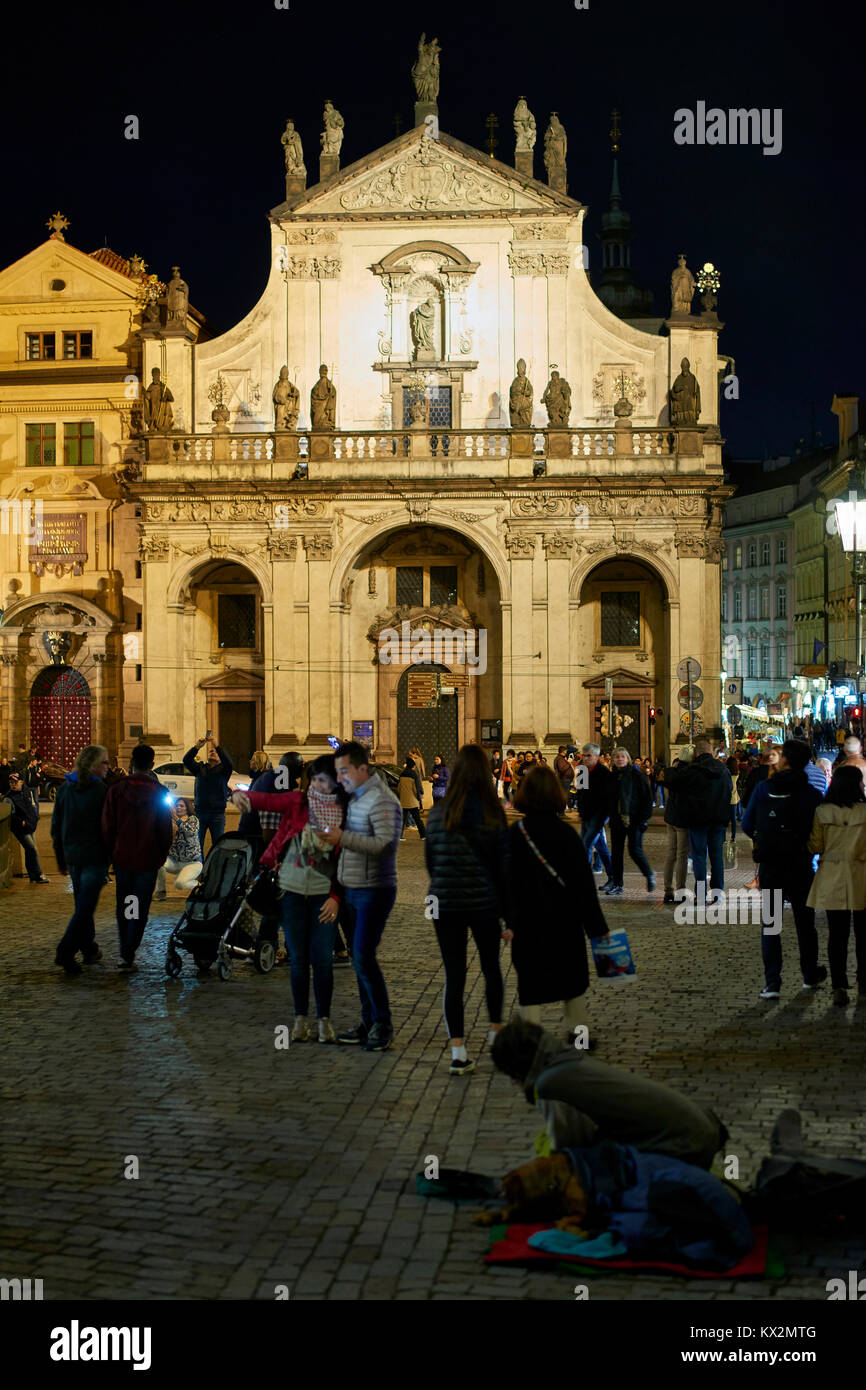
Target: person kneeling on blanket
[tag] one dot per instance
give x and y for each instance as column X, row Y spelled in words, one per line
column 584, row 1101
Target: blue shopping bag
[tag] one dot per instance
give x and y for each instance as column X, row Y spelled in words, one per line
column 612, row 956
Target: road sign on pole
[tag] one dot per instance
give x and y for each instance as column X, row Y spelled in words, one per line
column 689, row 669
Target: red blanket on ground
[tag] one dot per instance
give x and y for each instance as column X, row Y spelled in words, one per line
column 514, row 1248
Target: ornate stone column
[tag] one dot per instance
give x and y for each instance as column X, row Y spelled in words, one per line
column 558, row 550
column 320, row 661
column 161, row 714
column 521, row 551
column 281, row 728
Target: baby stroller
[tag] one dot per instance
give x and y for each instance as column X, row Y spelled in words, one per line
column 214, row 925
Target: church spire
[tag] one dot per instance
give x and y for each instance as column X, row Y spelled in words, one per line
column 617, row 289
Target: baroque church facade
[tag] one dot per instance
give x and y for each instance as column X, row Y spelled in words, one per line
column 429, row 419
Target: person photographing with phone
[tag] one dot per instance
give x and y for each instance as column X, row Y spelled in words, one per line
column 211, row 787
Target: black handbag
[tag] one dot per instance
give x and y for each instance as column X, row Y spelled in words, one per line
column 264, row 893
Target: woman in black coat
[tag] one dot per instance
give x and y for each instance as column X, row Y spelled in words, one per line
column 466, row 851
column 553, row 904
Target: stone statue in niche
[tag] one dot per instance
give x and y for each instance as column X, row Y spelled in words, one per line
column 323, row 402
column 557, row 399
column 685, row 398
column 158, row 414
column 682, row 289
column 520, row 399
column 287, row 400
column 422, row 324
column 524, row 127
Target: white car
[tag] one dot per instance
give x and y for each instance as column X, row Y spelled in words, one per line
column 179, row 781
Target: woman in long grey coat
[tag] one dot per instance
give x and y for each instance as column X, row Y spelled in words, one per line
column 839, row 837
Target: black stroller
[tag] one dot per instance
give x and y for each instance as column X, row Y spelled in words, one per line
column 214, row 922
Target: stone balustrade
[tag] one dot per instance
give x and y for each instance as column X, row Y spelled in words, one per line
column 422, row 453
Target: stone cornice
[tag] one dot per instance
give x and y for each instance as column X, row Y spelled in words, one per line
column 74, row 309
column 33, row 406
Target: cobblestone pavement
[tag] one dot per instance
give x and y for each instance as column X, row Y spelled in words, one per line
column 261, row 1167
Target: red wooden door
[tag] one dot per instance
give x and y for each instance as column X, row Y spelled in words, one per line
column 59, row 715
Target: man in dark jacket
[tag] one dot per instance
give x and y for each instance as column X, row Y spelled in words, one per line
column 703, row 791
column 563, row 769
column 211, row 789
column 25, row 817
column 779, row 819
column 137, row 828
column 594, row 791
column 76, row 834
column 630, row 809
column 584, row 1101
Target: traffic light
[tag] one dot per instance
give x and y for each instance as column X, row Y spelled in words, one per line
column 598, row 710
column 856, row 712
column 652, row 714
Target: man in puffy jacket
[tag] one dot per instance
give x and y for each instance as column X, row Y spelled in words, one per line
column 779, row 819
column 630, row 809
column 367, row 870
column 703, row 791
column 211, row 788
column 25, row 817
column 137, row 828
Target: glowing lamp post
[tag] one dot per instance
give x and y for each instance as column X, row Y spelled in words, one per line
column 851, row 524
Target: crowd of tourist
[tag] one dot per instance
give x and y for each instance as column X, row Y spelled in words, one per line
column 512, row 845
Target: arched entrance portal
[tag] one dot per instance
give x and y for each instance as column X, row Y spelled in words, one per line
column 59, row 715
column 226, row 621
column 624, row 622
column 424, row 599
column 432, row 729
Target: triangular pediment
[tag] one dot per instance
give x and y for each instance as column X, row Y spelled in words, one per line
column 234, row 679
column 84, row 278
column 619, row 677
column 416, row 175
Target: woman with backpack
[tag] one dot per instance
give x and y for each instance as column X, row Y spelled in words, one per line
column 553, row 903
column 839, row 837
column 466, row 854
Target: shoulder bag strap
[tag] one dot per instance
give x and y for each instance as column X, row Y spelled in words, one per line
column 539, row 856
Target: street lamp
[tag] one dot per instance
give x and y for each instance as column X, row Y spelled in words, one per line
column 851, row 524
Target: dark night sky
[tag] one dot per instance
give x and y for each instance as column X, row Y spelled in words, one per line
column 212, row 85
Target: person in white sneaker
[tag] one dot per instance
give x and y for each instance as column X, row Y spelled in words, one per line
column 311, row 894
column 184, row 857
